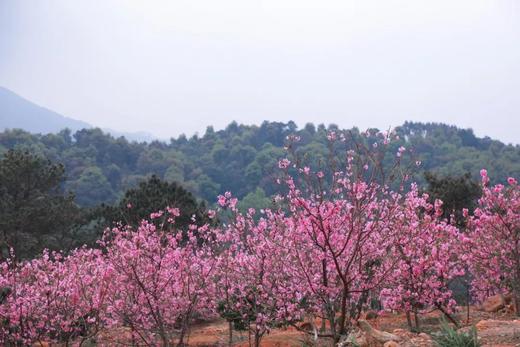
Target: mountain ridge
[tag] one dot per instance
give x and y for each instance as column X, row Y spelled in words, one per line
column 17, row 112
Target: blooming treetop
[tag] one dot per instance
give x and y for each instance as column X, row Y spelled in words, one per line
column 493, row 240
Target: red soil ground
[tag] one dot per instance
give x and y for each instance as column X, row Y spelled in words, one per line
column 494, row 329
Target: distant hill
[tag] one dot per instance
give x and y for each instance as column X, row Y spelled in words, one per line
column 19, row 113
column 241, row 159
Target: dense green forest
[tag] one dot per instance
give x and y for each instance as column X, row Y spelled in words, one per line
column 100, row 168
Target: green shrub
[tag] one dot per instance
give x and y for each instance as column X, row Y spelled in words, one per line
column 449, row 337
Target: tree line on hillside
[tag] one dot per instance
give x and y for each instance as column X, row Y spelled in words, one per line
column 37, row 212
column 100, row 168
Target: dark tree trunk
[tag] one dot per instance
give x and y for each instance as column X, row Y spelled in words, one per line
column 417, row 321
column 409, row 321
column 230, row 336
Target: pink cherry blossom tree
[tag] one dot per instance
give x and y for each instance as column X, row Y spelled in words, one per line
column 253, row 278
column 152, row 281
column 340, row 226
column 163, row 281
column 492, row 243
column 55, row 298
column 426, row 250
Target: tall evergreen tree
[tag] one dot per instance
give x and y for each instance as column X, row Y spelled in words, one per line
column 35, row 212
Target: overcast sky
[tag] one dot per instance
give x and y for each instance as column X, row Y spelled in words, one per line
column 177, row 66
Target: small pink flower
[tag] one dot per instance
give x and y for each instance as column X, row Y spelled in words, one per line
column 233, row 203
column 156, row 215
column 284, row 163
column 222, row 200
column 174, row 211
column 484, row 175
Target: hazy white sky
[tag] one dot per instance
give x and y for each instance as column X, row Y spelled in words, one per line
column 177, row 66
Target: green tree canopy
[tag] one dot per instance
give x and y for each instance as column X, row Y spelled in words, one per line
column 35, row 213
column 456, row 193
column 151, row 196
column 240, row 158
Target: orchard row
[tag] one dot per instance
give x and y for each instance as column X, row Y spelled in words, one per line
column 335, row 243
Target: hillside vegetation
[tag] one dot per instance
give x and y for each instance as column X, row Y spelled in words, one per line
column 100, row 168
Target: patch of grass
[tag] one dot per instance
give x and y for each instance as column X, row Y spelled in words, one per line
column 449, row 337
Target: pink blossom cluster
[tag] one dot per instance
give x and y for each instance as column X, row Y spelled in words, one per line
column 492, row 243
column 151, row 282
column 427, row 253
column 54, row 297
column 332, row 244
